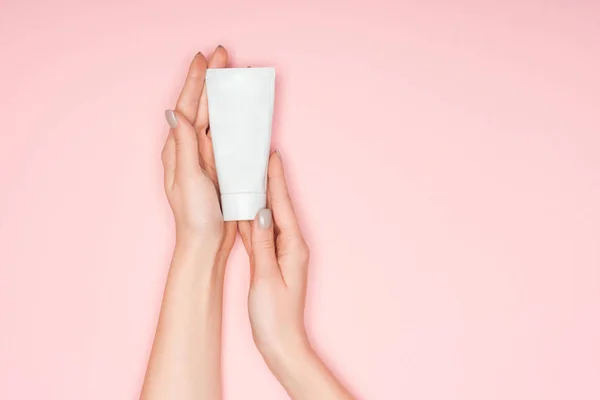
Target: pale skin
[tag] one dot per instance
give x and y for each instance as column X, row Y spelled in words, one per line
column 185, row 362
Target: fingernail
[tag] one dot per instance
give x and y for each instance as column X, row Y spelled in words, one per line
column 265, row 218
column 171, row 118
column 278, row 154
column 220, row 47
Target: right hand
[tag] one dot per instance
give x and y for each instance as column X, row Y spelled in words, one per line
column 279, row 264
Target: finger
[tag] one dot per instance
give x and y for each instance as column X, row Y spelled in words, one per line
column 275, row 227
column 217, row 60
column 280, row 201
column 230, row 234
column 189, row 98
column 245, row 228
column 205, row 147
column 187, row 162
column 168, row 160
column 228, row 242
column 263, row 247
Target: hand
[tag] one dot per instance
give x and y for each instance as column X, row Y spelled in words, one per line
column 279, row 265
column 190, row 176
column 185, row 362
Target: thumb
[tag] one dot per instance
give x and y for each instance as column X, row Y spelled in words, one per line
column 263, row 246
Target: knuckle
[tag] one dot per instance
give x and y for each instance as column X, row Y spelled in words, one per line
column 264, row 243
column 201, row 125
column 303, row 252
column 164, row 156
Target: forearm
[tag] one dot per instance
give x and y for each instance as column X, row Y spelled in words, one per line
column 185, row 362
column 304, row 376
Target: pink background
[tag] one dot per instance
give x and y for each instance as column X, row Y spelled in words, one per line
column 444, row 158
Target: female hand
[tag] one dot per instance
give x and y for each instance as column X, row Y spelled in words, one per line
column 185, row 362
column 189, row 166
column 279, row 265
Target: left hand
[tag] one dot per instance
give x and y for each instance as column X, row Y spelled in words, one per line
column 190, row 174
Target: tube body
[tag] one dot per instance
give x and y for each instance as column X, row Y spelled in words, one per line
column 240, row 109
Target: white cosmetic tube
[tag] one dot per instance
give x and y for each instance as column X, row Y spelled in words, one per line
column 240, row 109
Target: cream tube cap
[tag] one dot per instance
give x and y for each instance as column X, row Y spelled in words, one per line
column 242, row 206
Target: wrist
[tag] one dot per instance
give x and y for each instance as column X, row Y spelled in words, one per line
column 303, row 375
column 197, row 246
column 299, row 370
column 284, row 356
column 194, row 260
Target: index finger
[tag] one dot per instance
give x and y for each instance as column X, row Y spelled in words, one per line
column 205, row 147
column 189, row 98
column 279, row 198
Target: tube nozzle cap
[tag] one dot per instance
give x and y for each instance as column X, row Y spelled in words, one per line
column 242, row 206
